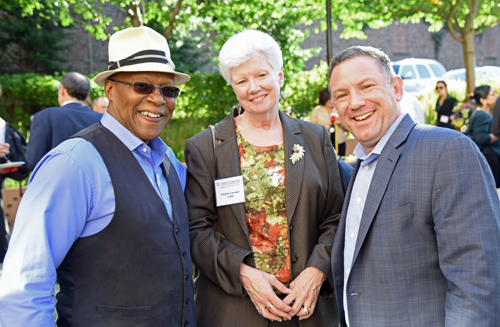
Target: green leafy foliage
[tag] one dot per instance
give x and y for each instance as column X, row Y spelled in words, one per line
column 217, row 20
column 206, row 95
column 30, row 43
column 301, row 90
column 278, row 18
column 26, row 94
column 205, row 99
column 464, row 19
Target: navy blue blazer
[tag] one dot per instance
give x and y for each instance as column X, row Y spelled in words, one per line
column 53, row 125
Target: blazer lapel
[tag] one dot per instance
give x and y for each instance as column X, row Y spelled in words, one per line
column 381, row 178
column 228, row 161
column 294, row 173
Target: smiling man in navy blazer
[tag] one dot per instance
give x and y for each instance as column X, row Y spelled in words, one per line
column 418, row 242
column 53, row 125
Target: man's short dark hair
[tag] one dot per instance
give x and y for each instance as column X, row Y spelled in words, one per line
column 77, row 85
column 380, row 57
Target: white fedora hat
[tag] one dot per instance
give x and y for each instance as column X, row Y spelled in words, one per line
column 139, row 49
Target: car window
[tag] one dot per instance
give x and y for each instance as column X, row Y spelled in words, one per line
column 422, row 71
column 437, row 69
column 458, row 76
column 482, row 73
column 396, row 68
column 407, row 72
column 489, row 72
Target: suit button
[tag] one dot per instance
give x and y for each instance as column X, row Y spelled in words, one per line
column 290, row 228
column 186, row 277
column 177, row 231
column 294, row 259
column 185, row 323
column 183, row 253
column 187, row 301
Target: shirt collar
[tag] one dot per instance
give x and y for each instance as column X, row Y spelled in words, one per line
column 368, row 157
column 70, row 101
column 131, row 141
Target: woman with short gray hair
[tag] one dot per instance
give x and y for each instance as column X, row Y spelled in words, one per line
column 264, row 196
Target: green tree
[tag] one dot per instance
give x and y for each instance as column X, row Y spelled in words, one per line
column 279, row 18
column 464, row 19
column 177, row 19
column 30, row 43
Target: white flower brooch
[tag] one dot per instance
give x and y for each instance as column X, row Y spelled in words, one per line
column 298, row 153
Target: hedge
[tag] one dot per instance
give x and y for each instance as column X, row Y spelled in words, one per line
column 205, row 99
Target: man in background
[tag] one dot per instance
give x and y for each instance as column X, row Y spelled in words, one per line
column 100, row 104
column 53, row 125
column 12, row 147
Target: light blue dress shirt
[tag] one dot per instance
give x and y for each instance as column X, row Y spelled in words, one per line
column 358, row 200
column 69, row 196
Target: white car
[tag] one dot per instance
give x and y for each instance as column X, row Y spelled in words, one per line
column 486, row 72
column 419, row 75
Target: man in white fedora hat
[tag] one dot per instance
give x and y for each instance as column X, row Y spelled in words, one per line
column 104, row 212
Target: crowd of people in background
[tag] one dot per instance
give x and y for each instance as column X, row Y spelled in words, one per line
column 282, row 231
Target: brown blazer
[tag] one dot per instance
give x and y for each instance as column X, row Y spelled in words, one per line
column 314, row 200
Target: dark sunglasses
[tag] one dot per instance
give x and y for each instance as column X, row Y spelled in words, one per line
column 166, row 91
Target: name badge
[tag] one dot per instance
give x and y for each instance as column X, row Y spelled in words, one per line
column 229, row 191
column 444, row 119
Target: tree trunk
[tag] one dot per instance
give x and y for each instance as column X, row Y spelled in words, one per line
column 171, row 19
column 468, row 45
column 470, row 59
column 134, row 12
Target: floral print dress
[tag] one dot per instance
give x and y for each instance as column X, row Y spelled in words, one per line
column 263, row 171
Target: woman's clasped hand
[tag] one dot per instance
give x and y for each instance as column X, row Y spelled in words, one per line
column 300, row 298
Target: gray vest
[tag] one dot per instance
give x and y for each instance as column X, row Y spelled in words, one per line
column 137, row 270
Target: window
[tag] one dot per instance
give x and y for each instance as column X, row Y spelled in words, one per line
column 423, row 71
column 437, row 69
column 408, row 72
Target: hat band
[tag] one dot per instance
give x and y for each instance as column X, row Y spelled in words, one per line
column 145, row 57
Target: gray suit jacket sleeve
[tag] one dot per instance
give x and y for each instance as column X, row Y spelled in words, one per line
column 466, row 221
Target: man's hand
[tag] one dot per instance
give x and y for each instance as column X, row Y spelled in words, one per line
column 4, row 149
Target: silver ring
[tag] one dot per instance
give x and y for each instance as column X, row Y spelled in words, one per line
column 260, row 311
column 307, row 310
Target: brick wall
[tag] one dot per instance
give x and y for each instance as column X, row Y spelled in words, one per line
column 399, row 41
column 88, row 55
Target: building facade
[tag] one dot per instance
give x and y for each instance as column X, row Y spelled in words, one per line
column 398, row 40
